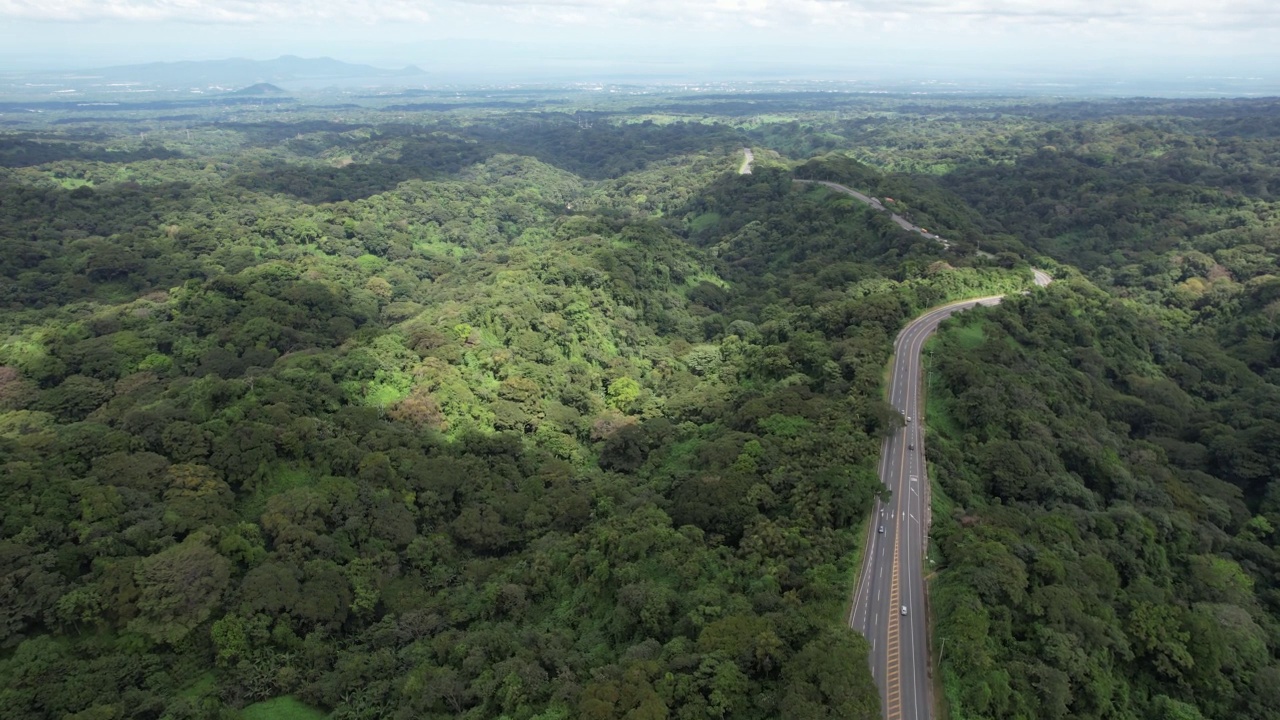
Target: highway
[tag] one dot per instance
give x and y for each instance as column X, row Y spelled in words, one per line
column 889, row 601
column 892, row 576
column 877, row 205
column 889, row 605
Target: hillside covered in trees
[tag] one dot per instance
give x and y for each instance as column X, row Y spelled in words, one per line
column 412, row 422
column 452, row 412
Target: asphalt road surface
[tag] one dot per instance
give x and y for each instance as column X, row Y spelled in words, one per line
column 889, row 601
column 877, row 205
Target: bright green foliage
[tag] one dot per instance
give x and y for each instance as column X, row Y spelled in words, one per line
column 485, row 433
column 495, row 416
column 623, row 392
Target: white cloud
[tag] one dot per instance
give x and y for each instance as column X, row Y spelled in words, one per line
column 1134, row 13
column 1243, row 14
column 999, row 33
column 217, row 11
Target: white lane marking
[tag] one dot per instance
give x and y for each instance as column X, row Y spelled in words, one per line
column 913, row 339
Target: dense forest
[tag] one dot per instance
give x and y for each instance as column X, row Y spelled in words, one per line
column 488, row 413
column 1107, row 451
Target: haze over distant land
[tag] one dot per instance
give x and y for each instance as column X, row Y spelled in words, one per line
column 241, row 71
column 1173, row 47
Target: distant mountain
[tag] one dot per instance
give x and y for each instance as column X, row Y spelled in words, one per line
column 259, row 89
column 240, row 72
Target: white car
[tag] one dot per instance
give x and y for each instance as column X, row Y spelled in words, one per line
column 908, row 418
column 904, row 609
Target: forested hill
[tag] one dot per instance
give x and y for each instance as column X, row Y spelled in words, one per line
column 489, row 407
column 391, row 423
column 1107, row 451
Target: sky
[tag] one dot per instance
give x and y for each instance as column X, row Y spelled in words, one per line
column 710, row 39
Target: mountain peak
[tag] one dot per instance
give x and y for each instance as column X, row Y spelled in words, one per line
column 260, row 89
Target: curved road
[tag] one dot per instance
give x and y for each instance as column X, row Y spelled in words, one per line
column 892, row 571
column 889, row 601
column 877, row 205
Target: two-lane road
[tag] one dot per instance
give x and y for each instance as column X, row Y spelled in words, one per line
column 875, row 204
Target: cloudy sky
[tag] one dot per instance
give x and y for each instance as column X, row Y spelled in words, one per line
column 708, row 38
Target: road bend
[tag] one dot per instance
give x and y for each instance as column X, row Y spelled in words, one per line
column 889, row 600
column 875, row 204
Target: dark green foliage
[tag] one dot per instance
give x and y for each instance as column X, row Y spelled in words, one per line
column 477, row 438
column 596, row 147
column 23, row 150
column 395, row 154
column 1107, row 539
column 555, row 415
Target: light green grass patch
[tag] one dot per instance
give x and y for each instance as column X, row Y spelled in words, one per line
column 852, row 562
column 380, row 394
column 73, row 183
column 282, row 708
column 766, row 119
column 697, row 279
column 969, row 336
column 203, row 685
column 284, row 478
column 937, row 415
column 705, row 221
column 655, row 118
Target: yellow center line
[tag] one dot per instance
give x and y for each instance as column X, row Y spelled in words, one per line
column 893, row 657
column 913, row 345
